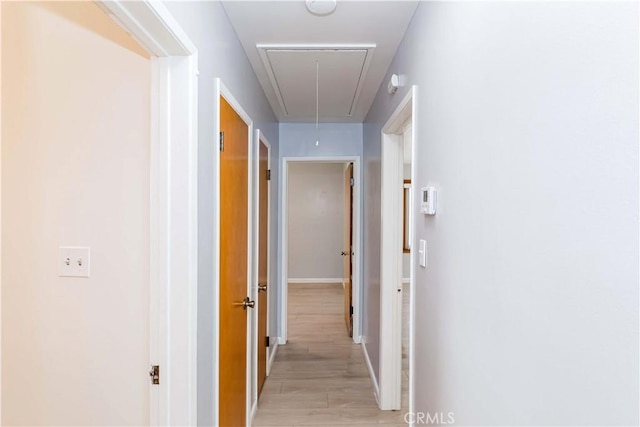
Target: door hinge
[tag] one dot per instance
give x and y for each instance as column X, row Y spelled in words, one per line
column 221, row 141
column 352, row 182
column 268, row 174
column 154, row 373
column 266, row 341
column 351, row 311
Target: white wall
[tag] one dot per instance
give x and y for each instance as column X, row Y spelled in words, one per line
column 220, row 54
column 528, row 126
column 75, row 172
column 316, row 221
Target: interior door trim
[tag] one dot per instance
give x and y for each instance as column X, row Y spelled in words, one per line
column 173, row 205
column 261, row 138
column 357, row 233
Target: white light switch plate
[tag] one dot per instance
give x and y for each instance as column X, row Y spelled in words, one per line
column 74, row 262
column 422, row 253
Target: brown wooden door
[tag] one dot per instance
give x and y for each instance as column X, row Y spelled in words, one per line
column 263, row 278
column 348, row 244
column 234, row 163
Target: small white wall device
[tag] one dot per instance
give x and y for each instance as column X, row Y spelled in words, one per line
column 428, row 200
column 393, row 84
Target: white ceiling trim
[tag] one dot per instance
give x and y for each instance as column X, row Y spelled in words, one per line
column 264, row 49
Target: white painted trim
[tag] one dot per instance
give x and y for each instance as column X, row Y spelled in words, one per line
column 412, row 265
column 216, row 258
column 182, row 259
column 357, row 259
column 173, row 204
column 281, row 341
column 252, row 262
column 272, row 357
column 406, row 280
column 367, row 360
column 263, row 139
column 0, row 217
column 318, row 281
column 260, row 139
column 152, row 25
column 390, row 381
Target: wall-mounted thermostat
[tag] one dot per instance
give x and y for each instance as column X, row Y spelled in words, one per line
column 428, row 201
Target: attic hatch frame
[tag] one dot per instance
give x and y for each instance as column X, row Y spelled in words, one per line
column 264, row 48
column 173, row 205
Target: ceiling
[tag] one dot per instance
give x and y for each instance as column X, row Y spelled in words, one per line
column 346, row 53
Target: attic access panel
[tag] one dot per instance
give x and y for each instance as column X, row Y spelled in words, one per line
column 341, row 74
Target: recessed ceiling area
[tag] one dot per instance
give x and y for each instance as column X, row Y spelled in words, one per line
column 353, row 48
column 331, row 76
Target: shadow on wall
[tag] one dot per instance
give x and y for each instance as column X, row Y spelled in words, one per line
column 86, row 15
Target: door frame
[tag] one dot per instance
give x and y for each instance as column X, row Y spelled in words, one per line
column 0, row 213
column 260, row 138
column 173, row 205
column 220, row 90
column 391, row 236
column 284, row 244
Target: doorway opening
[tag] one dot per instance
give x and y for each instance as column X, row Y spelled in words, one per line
column 319, row 231
column 398, row 250
column 320, row 245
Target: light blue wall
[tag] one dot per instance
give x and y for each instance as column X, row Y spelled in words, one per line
column 299, row 140
column 527, row 124
column 335, row 139
column 221, row 55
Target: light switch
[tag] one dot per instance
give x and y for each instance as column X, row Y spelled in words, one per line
column 74, row 262
column 422, row 253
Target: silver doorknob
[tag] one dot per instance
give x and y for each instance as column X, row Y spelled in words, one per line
column 245, row 303
column 262, row 288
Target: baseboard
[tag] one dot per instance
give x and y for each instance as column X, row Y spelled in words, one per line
column 254, row 409
column 376, row 388
column 312, row 280
column 272, row 356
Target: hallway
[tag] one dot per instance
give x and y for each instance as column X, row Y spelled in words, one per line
column 319, row 378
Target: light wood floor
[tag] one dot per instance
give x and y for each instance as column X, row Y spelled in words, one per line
column 320, row 378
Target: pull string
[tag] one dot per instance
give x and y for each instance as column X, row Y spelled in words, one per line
column 317, row 100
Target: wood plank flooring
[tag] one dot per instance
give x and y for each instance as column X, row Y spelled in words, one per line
column 319, row 378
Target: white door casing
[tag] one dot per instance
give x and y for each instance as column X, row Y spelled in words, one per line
column 390, row 381
column 259, row 138
column 357, row 257
column 174, row 222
